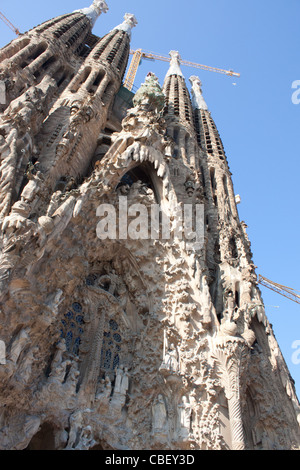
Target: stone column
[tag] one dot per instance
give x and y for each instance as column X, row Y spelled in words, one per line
column 230, row 353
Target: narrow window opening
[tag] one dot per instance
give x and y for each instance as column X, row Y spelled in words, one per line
column 237, row 294
column 213, row 179
column 233, row 248
column 107, row 93
column 176, row 135
column 202, row 177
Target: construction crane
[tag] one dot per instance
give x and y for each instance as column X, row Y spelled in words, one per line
column 9, row 24
column 139, row 54
column 287, row 292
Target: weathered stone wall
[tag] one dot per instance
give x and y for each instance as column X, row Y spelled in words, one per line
column 150, row 343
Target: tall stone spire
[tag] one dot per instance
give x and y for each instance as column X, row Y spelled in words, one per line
column 198, row 101
column 207, row 133
column 94, row 10
column 129, row 22
column 174, row 64
column 177, row 100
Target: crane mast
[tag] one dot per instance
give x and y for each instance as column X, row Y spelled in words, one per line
column 9, row 24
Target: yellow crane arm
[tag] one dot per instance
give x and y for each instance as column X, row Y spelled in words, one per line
column 140, row 54
column 287, row 292
column 9, row 24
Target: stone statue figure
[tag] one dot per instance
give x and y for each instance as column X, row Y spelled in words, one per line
column 86, row 439
column 230, row 305
column 171, row 359
column 196, row 92
column 121, row 388
column 125, row 382
column 103, row 395
column 109, row 281
column 118, row 381
column 76, row 420
column 58, row 356
column 184, row 416
column 19, row 344
column 25, row 368
column 159, row 415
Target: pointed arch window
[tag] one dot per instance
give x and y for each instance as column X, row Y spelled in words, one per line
column 111, row 348
column 72, row 328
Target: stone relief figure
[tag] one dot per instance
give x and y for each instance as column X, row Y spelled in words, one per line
column 171, row 359
column 121, row 386
column 104, row 392
column 159, row 415
column 58, row 356
column 18, row 345
column 228, row 325
column 76, row 421
column 24, row 371
column 109, row 282
column 59, row 366
column 118, row 381
column 2, row 353
column 58, row 374
column 72, row 379
column 86, row 439
column 125, row 382
column 184, row 417
column 230, row 305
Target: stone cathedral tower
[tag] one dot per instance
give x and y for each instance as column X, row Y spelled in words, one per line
column 146, row 335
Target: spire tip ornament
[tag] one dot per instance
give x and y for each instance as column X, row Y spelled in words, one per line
column 174, row 64
column 198, row 101
column 94, row 10
column 129, row 22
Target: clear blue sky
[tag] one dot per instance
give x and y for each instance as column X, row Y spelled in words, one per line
column 257, row 120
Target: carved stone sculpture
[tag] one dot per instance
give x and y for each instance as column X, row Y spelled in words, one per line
column 158, row 341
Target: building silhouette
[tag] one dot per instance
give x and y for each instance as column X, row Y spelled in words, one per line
column 131, row 316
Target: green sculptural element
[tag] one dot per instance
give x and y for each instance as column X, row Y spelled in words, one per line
column 150, row 94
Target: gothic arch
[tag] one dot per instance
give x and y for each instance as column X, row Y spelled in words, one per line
column 250, row 418
column 102, row 318
column 146, row 173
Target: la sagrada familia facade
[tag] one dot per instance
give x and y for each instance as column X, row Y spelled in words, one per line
column 126, row 342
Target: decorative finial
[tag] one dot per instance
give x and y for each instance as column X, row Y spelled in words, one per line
column 198, row 101
column 150, row 95
column 129, row 22
column 94, row 11
column 175, row 64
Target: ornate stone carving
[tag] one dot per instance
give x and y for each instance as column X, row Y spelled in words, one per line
column 231, row 355
column 127, row 343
